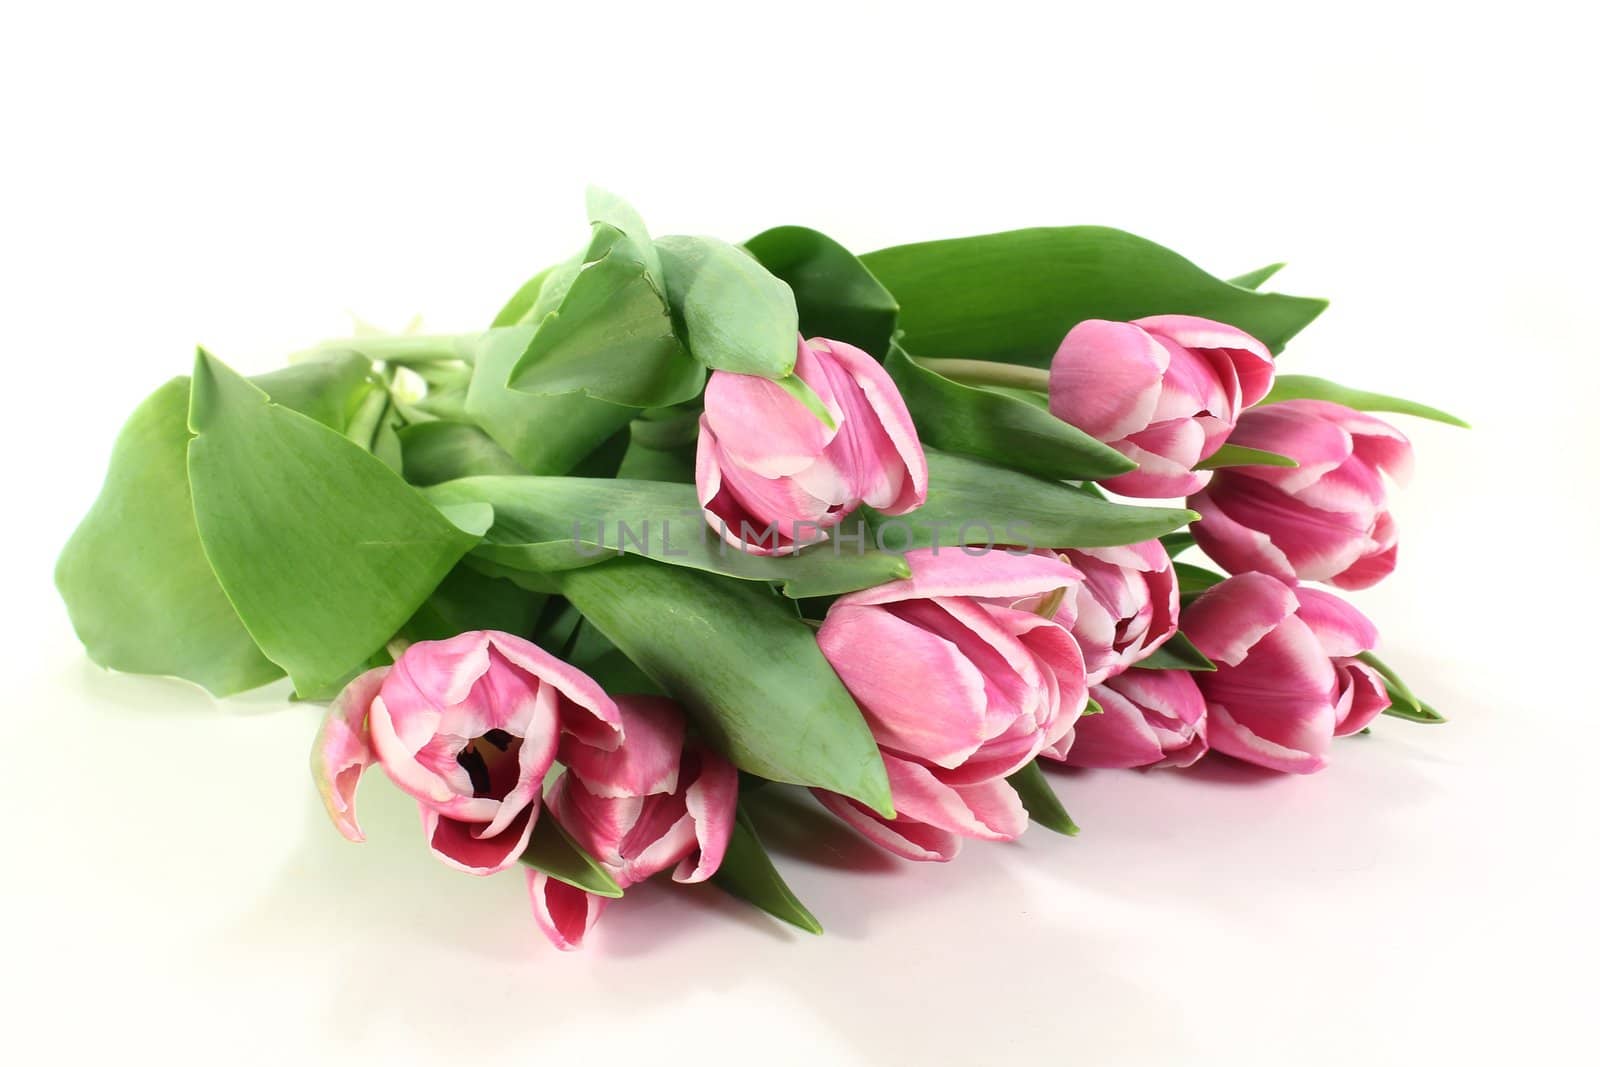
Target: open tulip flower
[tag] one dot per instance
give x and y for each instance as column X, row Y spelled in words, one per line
column 469, row 727
column 773, row 477
column 1165, row 391
column 1287, row 680
column 1125, row 608
column 962, row 681
column 1327, row 519
column 652, row 803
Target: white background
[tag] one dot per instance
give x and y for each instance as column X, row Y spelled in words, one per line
column 245, row 177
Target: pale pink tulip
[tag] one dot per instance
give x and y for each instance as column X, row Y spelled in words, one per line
column 468, row 727
column 1150, row 719
column 1325, row 520
column 654, row 802
column 1287, row 681
column 962, row 682
column 1125, row 608
column 1165, row 391
column 772, row 477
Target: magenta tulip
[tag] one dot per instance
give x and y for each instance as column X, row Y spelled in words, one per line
column 1287, row 681
column 468, row 727
column 1150, row 719
column 1165, row 391
column 1325, row 520
column 654, row 802
column 773, row 477
column 1125, row 608
column 962, row 682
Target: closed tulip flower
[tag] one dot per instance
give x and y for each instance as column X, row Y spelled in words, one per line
column 962, row 682
column 772, row 477
column 1150, row 719
column 1287, row 681
column 655, row 802
column 1125, row 608
column 1165, row 391
column 468, row 727
column 1326, row 520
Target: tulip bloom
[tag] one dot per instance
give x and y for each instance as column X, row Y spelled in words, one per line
column 1325, row 520
column 1165, row 391
column 1151, row 719
column 652, row 803
column 1125, row 608
column 468, row 727
column 772, row 477
column 962, row 682
column 1287, row 681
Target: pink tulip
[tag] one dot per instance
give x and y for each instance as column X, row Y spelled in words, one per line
column 962, row 682
column 1151, row 719
column 1325, row 520
column 1125, row 608
column 772, row 477
column 654, row 802
column 1287, row 681
column 1165, row 391
column 468, row 727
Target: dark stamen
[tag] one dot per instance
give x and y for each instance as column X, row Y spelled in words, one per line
column 499, row 739
column 477, row 770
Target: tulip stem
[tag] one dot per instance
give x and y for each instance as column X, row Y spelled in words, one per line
column 987, row 372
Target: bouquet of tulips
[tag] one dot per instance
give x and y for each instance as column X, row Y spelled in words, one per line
column 690, row 521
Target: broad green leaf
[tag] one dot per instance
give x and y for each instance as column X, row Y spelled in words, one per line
column 136, row 582
column 1013, row 296
column 551, row 850
column 467, row 600
column 837, row 297
column 323, row 551
column 441, row 450
column 1194, row 580
column 1044, row 807
column 1000, row 428
column 519, row 308
column 332, row 389
column 739, row 659
column 1257, row 278
column 1306, row 387
column 612, row 338
column 609, row 209
column 735, row 315
column 555, row 524
column 546, row 434
column 975, row 503
column 747, row 872
column 1240, row 456
column 1176, row 654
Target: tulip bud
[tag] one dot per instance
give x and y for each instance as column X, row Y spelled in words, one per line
column 1125, row 608
column 1148, row 719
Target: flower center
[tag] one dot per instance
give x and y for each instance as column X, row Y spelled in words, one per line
column 489, row 761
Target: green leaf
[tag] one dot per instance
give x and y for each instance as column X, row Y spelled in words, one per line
column 1177, row 654
column 797, row 387
column 556, row 524
column 1257, row 278
column 333, row 389
column 1177, row 542
column 836, row 295
column 467, row 600
column 1404, row 704
column 974, row 503
column 609, row 209
column 521, row 423
column 1000, row 428
column 1044, row 807
column 1306, row 387
column 136, row 582
column 1194, row 580
column 1240, row 456
column 735, row 315
column 441, row 450
column 744, row 665
column 323, row 551
column 747, row 872
column 612, row 337
column 1423, row 713
column 551, row 850
column 1013, row 296
column 519, row 308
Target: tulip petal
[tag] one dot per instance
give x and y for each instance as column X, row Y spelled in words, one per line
column 1252, row 360
column 458, row 845
column 989, row 810
column 1228, row 619
column 891, row 468
column 1339, row 626
column 1237, row 549
column 1368, row 696
column 904, row 837
column 1105, row 378
column 564, row 913
column 1317, row 543
column 1232, row 737
column 712, row 802
column 342, row 751
column 1118, row 737
column 645, row 763
column 587, row 713
column 954, row 573
column 762, row 427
